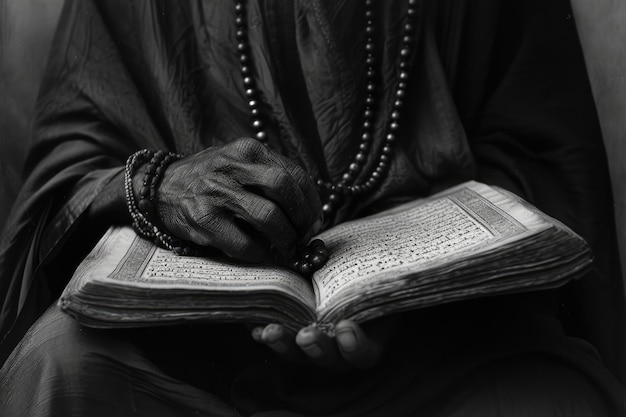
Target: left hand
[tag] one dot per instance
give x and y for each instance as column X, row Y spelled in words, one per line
column 353, row 347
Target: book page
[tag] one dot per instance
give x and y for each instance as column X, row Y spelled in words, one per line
column 418, row 235
column 130, row 260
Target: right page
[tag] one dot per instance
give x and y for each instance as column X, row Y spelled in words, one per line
column 465, row 242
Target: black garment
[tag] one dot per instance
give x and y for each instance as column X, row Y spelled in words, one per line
column 498, row 92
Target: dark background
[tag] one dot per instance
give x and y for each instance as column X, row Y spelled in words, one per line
column 26, row 29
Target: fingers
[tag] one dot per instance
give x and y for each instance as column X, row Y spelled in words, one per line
column 270, row 221
column 285, row 184
column 235, row 241
column 356, row 347
column 350, row 348
column 311, row 198
column 277, row 338
column 242, row 198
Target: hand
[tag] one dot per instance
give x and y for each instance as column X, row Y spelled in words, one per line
column 353, row 347
column 242, row 198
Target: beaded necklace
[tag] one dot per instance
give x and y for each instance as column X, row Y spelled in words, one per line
column 348, row 184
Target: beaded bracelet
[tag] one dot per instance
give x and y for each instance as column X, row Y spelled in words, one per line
column 145, row 219
column 143, row 214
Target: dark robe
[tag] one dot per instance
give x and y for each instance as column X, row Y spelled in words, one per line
column 498, row 93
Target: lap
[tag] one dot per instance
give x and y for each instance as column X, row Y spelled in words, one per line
column 62, row 368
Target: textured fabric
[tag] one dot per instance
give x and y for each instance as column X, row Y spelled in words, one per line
column 518, row 364
column 514, row 366
column 498, row 93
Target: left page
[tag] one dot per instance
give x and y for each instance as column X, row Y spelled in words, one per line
column 127, row 280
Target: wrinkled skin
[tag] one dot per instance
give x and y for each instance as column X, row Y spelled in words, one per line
column 254, row 204
column 242, row 198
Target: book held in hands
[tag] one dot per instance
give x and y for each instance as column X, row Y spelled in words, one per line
column 469, row 241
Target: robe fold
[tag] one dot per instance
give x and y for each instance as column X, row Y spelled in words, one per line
column 497, row 92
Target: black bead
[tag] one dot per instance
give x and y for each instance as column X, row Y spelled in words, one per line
column 147, row 208
column 317, row 261
column 305, row 269
column 294, row 264
column 316, row 244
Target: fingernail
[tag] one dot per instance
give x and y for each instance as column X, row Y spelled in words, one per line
column 347, row 340
column 272, row 333
column 256, row 333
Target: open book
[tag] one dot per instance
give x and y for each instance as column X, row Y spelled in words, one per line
column 469, row 241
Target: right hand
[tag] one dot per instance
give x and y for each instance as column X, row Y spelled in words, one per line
column 242, row 198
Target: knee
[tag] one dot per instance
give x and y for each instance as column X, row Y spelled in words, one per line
column 59, row 348
column 538, row 386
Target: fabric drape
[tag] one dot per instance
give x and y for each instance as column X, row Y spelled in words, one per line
column 498, row 92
